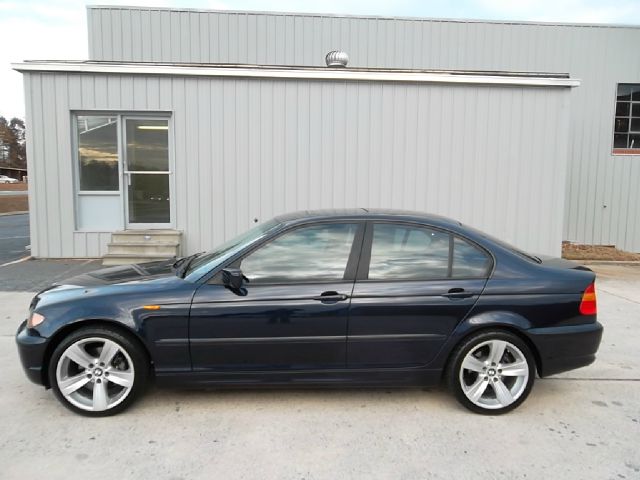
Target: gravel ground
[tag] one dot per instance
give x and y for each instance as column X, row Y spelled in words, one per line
column 574, row 251
column 583, row 424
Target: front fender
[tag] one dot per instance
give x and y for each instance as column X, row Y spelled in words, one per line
column 163, row 330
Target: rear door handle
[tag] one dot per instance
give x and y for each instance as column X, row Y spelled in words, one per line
column 331, row 296
column 457, row 292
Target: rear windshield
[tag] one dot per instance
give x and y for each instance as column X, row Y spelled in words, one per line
column 505, row 245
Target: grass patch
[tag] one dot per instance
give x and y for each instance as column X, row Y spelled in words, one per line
column 14, row 203
column 13, row 187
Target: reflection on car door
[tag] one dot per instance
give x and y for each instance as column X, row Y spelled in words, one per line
column 293, row 314
column 415, row 284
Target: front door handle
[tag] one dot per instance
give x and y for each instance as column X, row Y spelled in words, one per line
column 457, row 292
column 331, row 296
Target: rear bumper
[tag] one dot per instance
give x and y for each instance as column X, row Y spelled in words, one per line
column 31, row 348
column 566, row 348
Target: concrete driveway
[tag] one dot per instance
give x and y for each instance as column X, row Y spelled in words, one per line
column 581, row 425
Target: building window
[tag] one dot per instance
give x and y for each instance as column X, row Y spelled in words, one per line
column 98, row 153
column 4, row 151
column 626, row 135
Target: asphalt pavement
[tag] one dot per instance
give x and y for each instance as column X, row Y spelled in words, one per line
column 584, row 424
column 14, row 237
column 35, row 274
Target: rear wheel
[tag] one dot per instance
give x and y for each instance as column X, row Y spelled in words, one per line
column 97, row 371
column 492, row 372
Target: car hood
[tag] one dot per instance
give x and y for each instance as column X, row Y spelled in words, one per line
column 141, row 272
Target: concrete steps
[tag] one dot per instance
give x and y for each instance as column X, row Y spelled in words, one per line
column 139, row 246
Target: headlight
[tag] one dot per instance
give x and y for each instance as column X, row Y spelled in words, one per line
column 34, row 320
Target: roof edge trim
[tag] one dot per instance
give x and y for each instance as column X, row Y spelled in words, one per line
column 301, row 73
column 403, row 18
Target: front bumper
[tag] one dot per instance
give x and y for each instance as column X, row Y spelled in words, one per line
column 31, row 348
column 566, row 348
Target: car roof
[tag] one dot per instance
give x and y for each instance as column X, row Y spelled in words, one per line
column 367, row 214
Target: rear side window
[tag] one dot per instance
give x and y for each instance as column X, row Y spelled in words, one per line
column 402, row 252
column 468, row 260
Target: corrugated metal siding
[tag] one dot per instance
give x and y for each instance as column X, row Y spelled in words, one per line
column 600, row 56
column 245, row 149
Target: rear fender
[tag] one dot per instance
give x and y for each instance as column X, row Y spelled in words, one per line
column 495, row 319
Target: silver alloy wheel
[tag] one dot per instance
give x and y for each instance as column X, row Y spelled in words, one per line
column 494, row 374
column 95, row 374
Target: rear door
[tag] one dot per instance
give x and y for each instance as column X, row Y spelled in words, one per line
column 414, row 285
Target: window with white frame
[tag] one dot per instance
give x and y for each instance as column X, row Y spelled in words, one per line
column 97, row 153
column 626, row 134
column 4, row 151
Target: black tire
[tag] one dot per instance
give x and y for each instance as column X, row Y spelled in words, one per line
column 453, row 372
column 133, row 349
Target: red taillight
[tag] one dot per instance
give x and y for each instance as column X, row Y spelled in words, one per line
column 588, row 304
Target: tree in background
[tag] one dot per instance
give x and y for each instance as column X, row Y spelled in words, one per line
column 12, row 143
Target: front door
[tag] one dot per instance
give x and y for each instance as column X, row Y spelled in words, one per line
column 147, row 182
column 293, row 313
column 415, row 284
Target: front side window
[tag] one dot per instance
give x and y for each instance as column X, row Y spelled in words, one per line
column 317, row 253
column 401, row 252
column 626, row 136
column 98, row 153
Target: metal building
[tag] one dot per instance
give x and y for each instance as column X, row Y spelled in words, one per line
column 200, row 122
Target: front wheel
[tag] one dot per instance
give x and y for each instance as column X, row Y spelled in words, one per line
column 492, row 372
column 97, row 371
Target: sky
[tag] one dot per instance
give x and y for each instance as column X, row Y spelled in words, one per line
column 57, row 29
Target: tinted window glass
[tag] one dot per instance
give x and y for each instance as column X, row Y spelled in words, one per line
column 469, row 260
column 98, row 153
column 204, row 263
column 503, row 244
column 317, row 253
column 400, row 252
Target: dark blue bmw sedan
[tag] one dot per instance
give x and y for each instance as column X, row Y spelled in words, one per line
column 326, row 298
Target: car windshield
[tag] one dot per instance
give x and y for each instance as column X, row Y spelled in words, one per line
column 205, row 262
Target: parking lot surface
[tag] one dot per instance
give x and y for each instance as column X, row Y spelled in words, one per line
column 14, row 237
column 583, row 424
column 33, row 275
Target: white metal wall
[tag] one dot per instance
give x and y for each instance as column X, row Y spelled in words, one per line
column 603, row 203
column 491, row 156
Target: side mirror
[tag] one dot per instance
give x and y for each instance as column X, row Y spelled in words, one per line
column 233, row 278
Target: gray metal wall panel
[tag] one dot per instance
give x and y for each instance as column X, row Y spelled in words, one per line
column 250, row 149
column 32, row 130
column 601, row 202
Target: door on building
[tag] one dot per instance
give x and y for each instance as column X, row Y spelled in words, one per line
column 147, row 172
